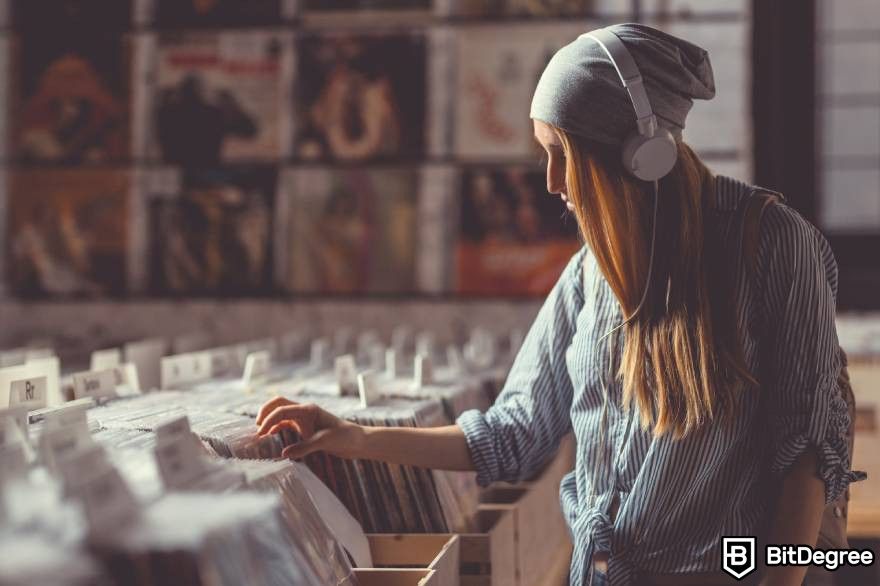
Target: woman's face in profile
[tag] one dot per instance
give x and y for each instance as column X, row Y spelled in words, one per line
column 549, row 141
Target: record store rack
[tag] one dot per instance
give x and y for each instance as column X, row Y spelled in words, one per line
column 145, row 468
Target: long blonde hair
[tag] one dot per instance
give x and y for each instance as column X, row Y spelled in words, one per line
column 682, row 362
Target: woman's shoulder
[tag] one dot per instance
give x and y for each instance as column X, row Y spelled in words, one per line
column 790, row 242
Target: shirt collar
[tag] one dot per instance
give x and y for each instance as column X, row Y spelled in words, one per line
column 728, row 192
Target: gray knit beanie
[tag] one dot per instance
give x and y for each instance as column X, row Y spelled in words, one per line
column 581, row 93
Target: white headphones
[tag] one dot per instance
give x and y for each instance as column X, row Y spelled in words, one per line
column 649, row 153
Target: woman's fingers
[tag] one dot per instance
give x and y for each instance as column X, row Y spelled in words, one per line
column 301, row 415
column 287, row 424
column 270, row 406
column 303, row 448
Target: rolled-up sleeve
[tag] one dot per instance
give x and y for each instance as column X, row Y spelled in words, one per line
column 807, row 407
column 522, row 430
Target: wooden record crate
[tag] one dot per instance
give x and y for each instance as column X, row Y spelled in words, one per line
column 439, row 553
column 395, row 577
column 541, row 537
column 487, row 555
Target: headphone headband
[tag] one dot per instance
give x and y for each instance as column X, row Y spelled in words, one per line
column 630, row 76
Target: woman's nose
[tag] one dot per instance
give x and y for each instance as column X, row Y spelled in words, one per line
column 555, row 177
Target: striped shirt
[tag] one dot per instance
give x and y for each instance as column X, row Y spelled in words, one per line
column 676, row 498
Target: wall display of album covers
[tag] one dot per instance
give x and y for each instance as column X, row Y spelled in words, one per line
column 349, row 231
column 210, row 231
column 514, row 238
column 360, row 96
column 217, row 96
column 67, row 232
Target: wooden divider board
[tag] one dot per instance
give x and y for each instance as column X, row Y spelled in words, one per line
column 437, row 552
column 487, row 557
column 395, row 577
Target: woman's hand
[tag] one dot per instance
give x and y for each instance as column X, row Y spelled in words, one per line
column 318, row 429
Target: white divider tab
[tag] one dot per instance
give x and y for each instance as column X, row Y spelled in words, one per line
column 256, row 367
column 105, row 359
column 18, row 383
column 127, row 380
column 223, row 362
column 424, row 372
column 454, row 359
column 425, row 343
column 97, row 385
column 346, row 374
column 367, row 388
column 318, row 353
column 71, row 414
column 376, row 355
column 173, row 429
column 146, row 355
column 180, row 462
column 30, row 392
column 391, row 363
column 184, row 369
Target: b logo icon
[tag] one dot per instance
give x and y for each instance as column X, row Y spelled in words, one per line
column 738, row 557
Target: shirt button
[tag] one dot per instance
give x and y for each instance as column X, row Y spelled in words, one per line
column 838, row 512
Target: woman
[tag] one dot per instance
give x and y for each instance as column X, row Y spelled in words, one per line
column 652, row 355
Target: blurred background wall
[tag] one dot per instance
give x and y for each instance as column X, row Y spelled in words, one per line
column 237, row 167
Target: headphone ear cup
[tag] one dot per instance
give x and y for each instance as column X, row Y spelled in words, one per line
column 650, row 158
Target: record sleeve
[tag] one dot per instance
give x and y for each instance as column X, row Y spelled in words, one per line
column 360, row 96
column 498, row 69
column 67, row 231
column 351, row 230
column 220, row 96
column 513, row 237
column 73, row 98
column 213, row 234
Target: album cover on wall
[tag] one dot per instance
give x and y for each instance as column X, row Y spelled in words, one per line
column 66, row 231
column 211, row 232
column 193, row 13
column 72, row 98
column 497, row 70
column 350, row 230
column 513, row 237
column 360, row 96
column 220, row 96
